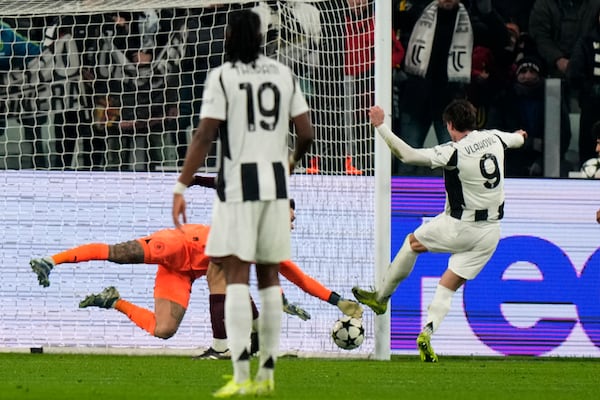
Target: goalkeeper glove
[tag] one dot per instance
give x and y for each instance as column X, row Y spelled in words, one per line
column 294, row 309
column 350, row 308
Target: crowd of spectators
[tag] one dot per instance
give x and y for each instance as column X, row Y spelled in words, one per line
column 125, row 89
column 514, row 46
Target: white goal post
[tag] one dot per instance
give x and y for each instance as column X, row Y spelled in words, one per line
column 98, row 100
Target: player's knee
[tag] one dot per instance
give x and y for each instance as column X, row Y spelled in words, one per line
column 165, row 331
column 415, row 245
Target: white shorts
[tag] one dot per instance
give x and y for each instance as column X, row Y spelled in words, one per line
column 254, row 231
column 471, row 244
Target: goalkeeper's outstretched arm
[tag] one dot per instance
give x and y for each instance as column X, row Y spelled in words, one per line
column 310, row 285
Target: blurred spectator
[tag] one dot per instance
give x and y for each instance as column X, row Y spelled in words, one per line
column 343, row 83
column 438, row 67
column 556, row 25
column 150, row 89
column 489, row 27
column 524, row 45
column 515, row 12
column 493, row 58
column 204, row 51
column 360, row 86
column 523, row 107
column 16, row 51
column 111, row 52
column 359, row 73
column 483, row 89
column 327, row 96
column 137, row 72
column 71, row 111
column 405, row 14
column 584, row 75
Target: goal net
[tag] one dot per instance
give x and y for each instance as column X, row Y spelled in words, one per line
column 98, row 100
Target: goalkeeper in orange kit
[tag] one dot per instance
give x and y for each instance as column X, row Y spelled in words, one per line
column 181, row 260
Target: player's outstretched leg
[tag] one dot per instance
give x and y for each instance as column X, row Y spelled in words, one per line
column 42, row 268
column 369, row 299
column 105, row 299
column 424, row 345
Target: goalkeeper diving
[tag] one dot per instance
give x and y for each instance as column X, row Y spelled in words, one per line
column 181, row 260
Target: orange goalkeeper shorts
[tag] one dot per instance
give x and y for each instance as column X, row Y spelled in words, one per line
column 172, row 285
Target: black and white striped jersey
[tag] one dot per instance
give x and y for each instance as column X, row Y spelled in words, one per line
column 257, row 101
column 474, row 173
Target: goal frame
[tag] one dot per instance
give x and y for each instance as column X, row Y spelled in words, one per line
column 383, row 96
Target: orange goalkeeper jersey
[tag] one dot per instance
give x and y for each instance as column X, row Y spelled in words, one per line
column 178, row 250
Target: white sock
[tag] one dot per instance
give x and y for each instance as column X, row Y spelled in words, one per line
column 397, row 271
column 269, row 331
column 238, row 324
column 439, row 306
column 219, row 345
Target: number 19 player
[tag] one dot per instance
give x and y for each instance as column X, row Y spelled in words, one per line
column 251, row 98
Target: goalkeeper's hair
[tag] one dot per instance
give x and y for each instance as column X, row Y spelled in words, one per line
column 292, row 204
column 243, row 37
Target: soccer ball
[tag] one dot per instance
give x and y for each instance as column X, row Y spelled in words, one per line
column 348, row 333
column 591, row 168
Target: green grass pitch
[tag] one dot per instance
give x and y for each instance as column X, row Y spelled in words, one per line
column 110, row 377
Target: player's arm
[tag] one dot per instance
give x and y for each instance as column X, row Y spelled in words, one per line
column 205, row 181
column 598, row 216
column 512, row 140
column 402, row 150
column 294, row 274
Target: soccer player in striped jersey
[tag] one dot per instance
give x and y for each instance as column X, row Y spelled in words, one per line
column 252, row 99
column 469, row 227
